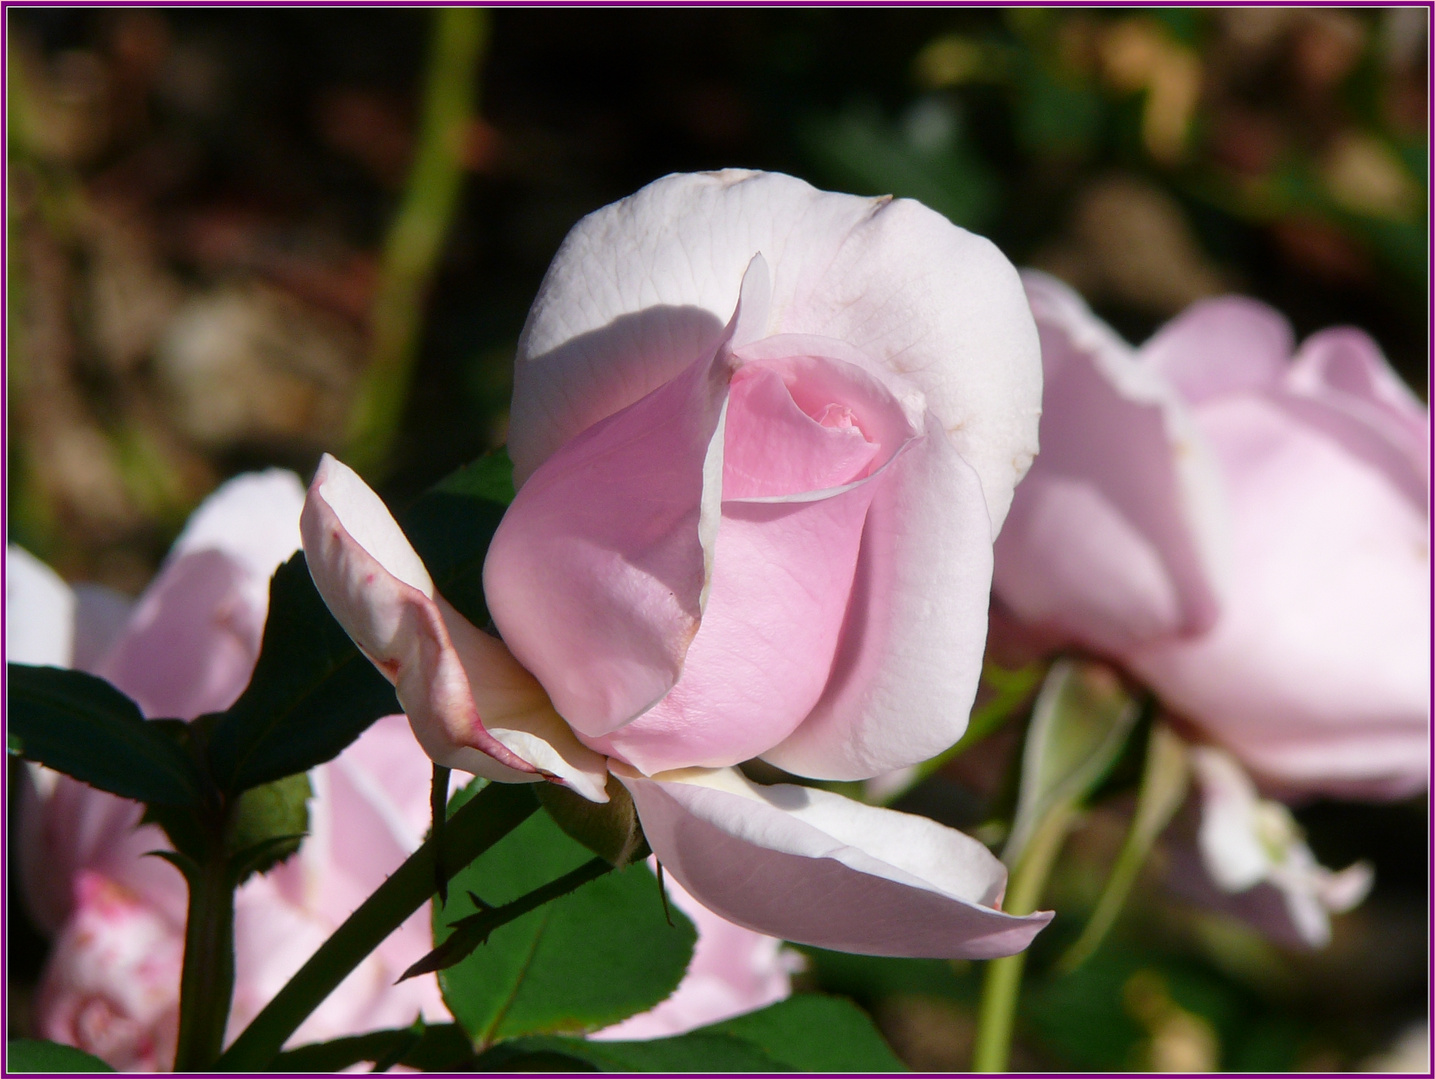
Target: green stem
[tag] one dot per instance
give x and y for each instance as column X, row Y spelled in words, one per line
column 485, row 819
column 1163, row 787
column 1001, row 983
column 415, row 239
column 206, row 987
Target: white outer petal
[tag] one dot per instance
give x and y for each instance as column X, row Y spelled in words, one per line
column 813, row 867
column 642, row 288
column 39, row 612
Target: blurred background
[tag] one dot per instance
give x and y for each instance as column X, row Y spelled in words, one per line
column 243, row 237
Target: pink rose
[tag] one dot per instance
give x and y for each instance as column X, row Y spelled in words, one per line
column 733, row 971
column 187, row 646
column 764, row 436
column 1245, row 530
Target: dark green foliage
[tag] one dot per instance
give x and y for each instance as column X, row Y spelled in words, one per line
column 81, row 725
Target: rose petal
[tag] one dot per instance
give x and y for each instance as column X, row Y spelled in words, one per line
column 111, row 984
column 192, row 639
column 1221, row 346
column 783, row 565
column 441, row 666
column 1248, row 843
column 1229, row 846
column 640, row 290
column 1116, row 536
column 909, row 657
column 67, row 827
column 1344, row 368
column 1317, row 673
column 39, row 612
column 598, row 572
column 815, row 868
column 101, row 618
column 254, row 520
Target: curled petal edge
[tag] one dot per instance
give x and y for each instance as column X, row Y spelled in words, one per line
column 816, row 868
column 447, row 673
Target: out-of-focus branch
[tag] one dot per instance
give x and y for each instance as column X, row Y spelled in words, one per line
column 416, row 236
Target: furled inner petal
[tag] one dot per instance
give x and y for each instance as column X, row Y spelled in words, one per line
column 773, row 448
column 601, row 570
column 796, row 467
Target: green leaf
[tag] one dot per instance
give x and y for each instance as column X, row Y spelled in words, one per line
column 37, row 1055
column 805, row 1033
column 693, row 1052
column 815, row 1033
column 590, row 959
column 451, row 524
column 1078, row 726
column 311, row 695
column 429, row 1048
column 81, row 725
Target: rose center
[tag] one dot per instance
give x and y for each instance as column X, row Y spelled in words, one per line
column 774, row 446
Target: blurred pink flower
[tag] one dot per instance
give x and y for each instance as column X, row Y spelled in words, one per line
column 763, row 437
column 187, row 646
column 733, row 971
column 1245, row 530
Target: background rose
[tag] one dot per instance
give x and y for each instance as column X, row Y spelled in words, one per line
column 1244, row 529
column 764, row 436
column 185, row 647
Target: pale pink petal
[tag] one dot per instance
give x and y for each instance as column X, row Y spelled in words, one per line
column 815, row 868
column 1341, row 383
column 641, row 289
column 39, row 612
column 1229, row 844
column 111, row 984
column 733, row 971
column 1344, row 366
column 597, row 574
column 797, row 483
column 101, row 616
column 442, row 667
column 909, row 656
column 191, row 642
column 254, row 520
column 1226, row 345
column 67, row 828
column 1317, row 674
column 1115, row 537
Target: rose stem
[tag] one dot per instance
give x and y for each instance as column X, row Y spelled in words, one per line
column 207, row 976
column 1001, row 983
column 480, row 823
